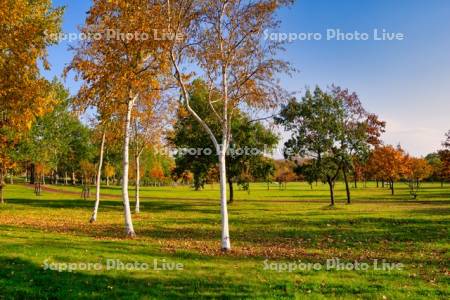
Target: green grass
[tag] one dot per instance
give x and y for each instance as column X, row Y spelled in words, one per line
column 183, row 226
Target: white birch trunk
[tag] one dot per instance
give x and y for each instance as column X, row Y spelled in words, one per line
column 98, row 182
column 226, row 246
column 225, row 242
column 129, row 230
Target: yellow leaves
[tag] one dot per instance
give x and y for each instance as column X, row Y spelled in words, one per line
column 25, row 27
column 417, row 168
column 183, row 112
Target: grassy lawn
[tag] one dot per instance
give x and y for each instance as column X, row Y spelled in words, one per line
column 268, row 228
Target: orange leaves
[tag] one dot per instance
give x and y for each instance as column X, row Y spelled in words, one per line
column 417, row 168
column 121, row 62
column 87, row 168
column 387, row 162
column 157, row 173
column 26, row 29
column 110, row 171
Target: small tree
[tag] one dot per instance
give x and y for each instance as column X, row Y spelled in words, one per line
column 110, row 172
column 417, row 170
column 390, row 164
column 284, row 173
column 265, row 170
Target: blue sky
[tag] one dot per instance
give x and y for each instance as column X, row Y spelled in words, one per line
column 407, row 82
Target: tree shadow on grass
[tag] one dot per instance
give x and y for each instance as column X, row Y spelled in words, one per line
column 366, row 229
column 68, row 204
column 148, row 205
column 21, row 279
column 432, row 211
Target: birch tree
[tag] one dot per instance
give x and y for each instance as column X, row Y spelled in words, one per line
column 224, row 38
column 99, row 176
column 120, row 57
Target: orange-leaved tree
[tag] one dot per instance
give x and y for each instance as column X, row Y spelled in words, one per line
column 417, row 169
column 122, row 63
column 26, row 29
column 388, row 163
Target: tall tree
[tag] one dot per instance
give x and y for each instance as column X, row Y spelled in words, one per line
column 118, row 72
column 362, row 131
column 26, row 30
column 224, row 38
column 317, row 127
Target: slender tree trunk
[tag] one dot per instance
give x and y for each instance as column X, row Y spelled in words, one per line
column 223, row 201
column 222, row 164
column 330, row 183
column 74, row 180
column 107, row 181
column 99, row 179
column 382, row 183
column 347, row 188
column 138, row 182
column 377, row 183
column 230, row 185
column 392, row 187
column 32, row 174
column 356, row 182
column 65, row 178
column 129, row 230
